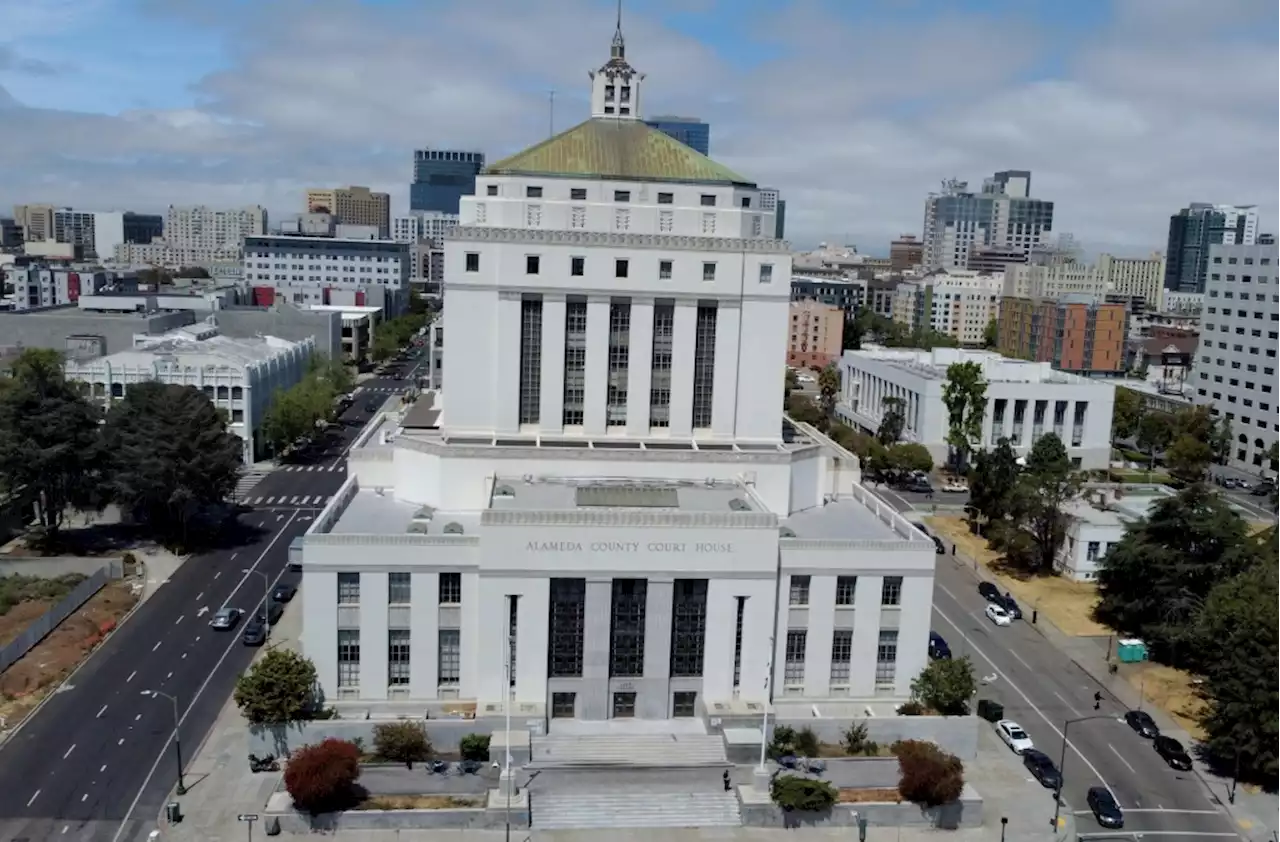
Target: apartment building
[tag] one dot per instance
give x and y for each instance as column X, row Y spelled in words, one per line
column 1135, row 276
column 1003, row 214
column 197, row 236
column 353, row 206
column 847, row 294
column 1075, row 333
column 957, row 303
column 1194, row 230
column 38, row 285
column 906, row 252
column 816, row 335
column 1053, row 280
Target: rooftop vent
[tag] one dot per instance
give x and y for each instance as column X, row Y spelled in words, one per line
column 425, row 513
column 786, row 532
column 453, row 528
column 737, row 504
column 504, row 491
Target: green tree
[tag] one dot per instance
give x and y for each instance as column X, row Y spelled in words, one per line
column 403, row 741
column 965, row 397
column 191, row 272
column 804, row 795
column 993, row 483
column 1126, row 413
column 475, row 747
column 892, row 421
column 279, row 688
column 946, row 686
column 829, row 387
column 48, row 441
column 289, row 417
column 169, row 457
column 803, row 409
column 991, row 334
column 1187, row 458
column 332, row 374
column 1155, row 431
column 905, row 457
column 1046, row 486
column 1221, row 443
column 1154, row 581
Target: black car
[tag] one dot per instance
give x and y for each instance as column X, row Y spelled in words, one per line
column 1104, row 807
column 1173, row 753
column 1010, row 606
column 989, row 592
column 274, row 612
column 1262, row 489
column 1042, row 769
column 255, row 634
column 283, row 593
column 938, row 547
column 1141, row 721
column 938, row 648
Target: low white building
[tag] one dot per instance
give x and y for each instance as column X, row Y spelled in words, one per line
column 1097, row 521
column 605, row 516
column 240, row 376
column 1024, row 400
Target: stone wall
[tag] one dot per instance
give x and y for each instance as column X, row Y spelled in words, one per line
column 294, row 822
column 445, row 734
column 955, row 734
column 967, row 812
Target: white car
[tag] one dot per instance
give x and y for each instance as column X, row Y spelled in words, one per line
column 1013, row 735
column 956, row 486
column 998, row 615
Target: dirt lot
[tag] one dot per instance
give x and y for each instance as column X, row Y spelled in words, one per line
column 870, row 796
column 24, row 684
column 421, row 802
column 1171, row 690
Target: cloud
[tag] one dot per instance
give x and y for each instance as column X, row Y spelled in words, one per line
column 855, row 120
column 13, row 62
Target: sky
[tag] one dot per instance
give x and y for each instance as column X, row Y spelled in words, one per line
column 1124, row 110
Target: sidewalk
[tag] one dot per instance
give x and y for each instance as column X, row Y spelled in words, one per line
column 1090, row 655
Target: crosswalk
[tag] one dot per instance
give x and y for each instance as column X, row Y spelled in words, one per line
column 381, row 390
column 311, row 501
column 298, row 469
column 246, row 483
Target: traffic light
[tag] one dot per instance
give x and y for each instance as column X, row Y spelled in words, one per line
column 1097, row 701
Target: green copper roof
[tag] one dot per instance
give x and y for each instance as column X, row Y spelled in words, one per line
column 627, row 150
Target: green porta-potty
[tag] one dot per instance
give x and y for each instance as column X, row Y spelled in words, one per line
column 1130, row 650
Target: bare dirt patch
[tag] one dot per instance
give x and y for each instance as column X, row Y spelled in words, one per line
column 24, row 684
column 870, row 796
column 16, row 620
column 1173, row 691
column 1069, row 605
column 422, row 802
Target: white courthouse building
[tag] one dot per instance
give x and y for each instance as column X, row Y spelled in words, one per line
column 603, row 514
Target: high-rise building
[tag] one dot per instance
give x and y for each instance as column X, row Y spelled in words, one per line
column 74, row 227
column 1135, row 277
column 111, row 228
column 905, row 252
column 1197, row 227
column 1003, row 215
column 36, row 221
column 196, row 236
column 690, row 131
column 441, row 177
column 1074, row 332
column 772, row 202
column 817, row 334
column 10, row 233
column 353, row 206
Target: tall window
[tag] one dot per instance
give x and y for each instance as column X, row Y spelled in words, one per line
column 566, row 626
column 660, row 382
column 575, row 362
column 399, row 588
column 450, row 656
column 891, row 591
column 846, row 589
column 619, row 354
column 737, row 642
column 348, row 658
column 793, row 666
column 348, row 588
column 450, row 588
column 887, row 656
column 513, row 625
column 398, row 657
column 841, row 655
column 626, row 633
column 688, row 627
column 799, row 590
column 704, row 360
column 530, row 360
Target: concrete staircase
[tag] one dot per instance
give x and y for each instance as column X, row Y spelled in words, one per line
column 567, row 810
column 637, row 751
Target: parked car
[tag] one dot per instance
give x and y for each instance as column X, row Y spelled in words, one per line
column 1104, row 807
column 283, row 593
column 255, row 633
column 1262, row 489
column 989, row 591
column 1141, row 721
column 1010, row 606
column 998, row 615
column 274, row 612
column 1041, row 768
column 1173, row 753
column 917, row 485
column 955, row 486
column 1013, row 736
column 225, row 619
column 938, row 648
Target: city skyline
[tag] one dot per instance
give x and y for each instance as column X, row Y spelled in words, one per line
column 1104, row 100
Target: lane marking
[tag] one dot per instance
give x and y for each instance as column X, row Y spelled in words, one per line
column 199, row 596
column 157, row 646
column 68, row 754
column 131, row 675
column 124, row 823
column 233, row 556
column 1070, row 707
column 32, row 799
column 84, row 798
column 104, row 710
column 1018, row 658
column 169, row 676
column 1137, row 834
column 179, row 620
column 217, row 573
column 104, row 768
column 1173, row 811
column 1120, row 757
column 120, row 741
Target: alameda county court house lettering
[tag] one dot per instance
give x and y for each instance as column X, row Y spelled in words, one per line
column 628, row 547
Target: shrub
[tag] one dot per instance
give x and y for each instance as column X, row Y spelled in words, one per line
column 321, row 777
column 912, row 707
column 855, row 741
column 783, row 742
column 475, row 747
column 946, row 686
column 792, row 792
column 404, row 742
column 929, row 776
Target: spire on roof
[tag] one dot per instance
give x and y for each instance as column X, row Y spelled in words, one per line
column 619, row 48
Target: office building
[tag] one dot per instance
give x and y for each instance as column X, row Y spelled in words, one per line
column 1141, row 277
column 1236, row 366
column 1003, row 215
column 690, row 131
column 75, row 228
column 906, row 252
column 328, row 270
column 1073, row 332
column 441, row 177
column 10, row 233
column 113, row 228
column 1052, row 280
column 816, row 335
column 772, row 202
column 425, row 227
column 1024, row 401
column 994, row 260
column 240, row 376
column 596, row 524
column 847, row 294
column 36, row 221
column 353, row 206
column 1197, row 228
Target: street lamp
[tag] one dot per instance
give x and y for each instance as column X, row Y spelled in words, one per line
column 1062, row 762
column 506, row 706
column 266, row 600
column 177, row 736
column 762, row 773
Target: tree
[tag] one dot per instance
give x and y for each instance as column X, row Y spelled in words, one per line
column 965, row 397
column 1155, row 431
column 191, row 272
column 991, row 334
column 804, row 410
column 1238, row 648
column 891, row 422
column 475, row 747
column 928, row 775
column 48, row 440
column 805, row 795
column 905, row 457
column 792, row 381
column 321, row 778
column 1046, row 486
column 169, row 456
column 1187, row 458
column 829, row 387
column 1153, row 582
column 992, row 483
column 1126, row 413
column 1221, row 442
column 946, row 686
column 332, row 374
column 290, row 416
column 403, row 741
column 279, row 688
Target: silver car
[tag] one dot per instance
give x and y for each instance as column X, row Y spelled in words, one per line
column 225, row 619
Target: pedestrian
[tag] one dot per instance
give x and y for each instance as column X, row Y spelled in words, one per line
column 727, row 785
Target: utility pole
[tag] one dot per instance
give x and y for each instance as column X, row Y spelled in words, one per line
column 551, row 113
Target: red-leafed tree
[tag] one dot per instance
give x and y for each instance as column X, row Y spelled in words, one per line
column 321, row 777
column 929, row 776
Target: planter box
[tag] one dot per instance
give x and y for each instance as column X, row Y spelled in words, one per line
column 967, row 812
column 468, row 819
column 862, row 772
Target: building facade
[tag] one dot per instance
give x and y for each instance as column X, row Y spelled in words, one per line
column 598, row 523
column 196, row 236
column 36, row 221
column 1053, row 280
column 906, row 252
column 817, row 334
column 37, row 285
column 1235, row 371
column 1194, row 230
column 441, row 177
column 771, row 201
column 690, row 131
column 849, row 295
column 113, row 228
column 1075, row 333
column 1003, row 215
column 74, row 227
column 1024, row 401
column 1135, row 276
column 329, row 270
column 353, row 206
column 958, row 303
